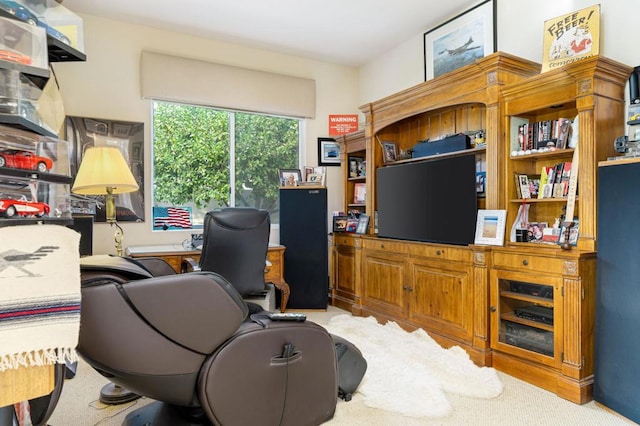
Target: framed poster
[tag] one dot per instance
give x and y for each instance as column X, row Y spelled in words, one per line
column 461, row 40
column 571, row 37
column 83, row 133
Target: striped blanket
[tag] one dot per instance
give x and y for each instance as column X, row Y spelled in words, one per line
column 39, row 295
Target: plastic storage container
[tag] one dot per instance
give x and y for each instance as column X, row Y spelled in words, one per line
column 23, row 43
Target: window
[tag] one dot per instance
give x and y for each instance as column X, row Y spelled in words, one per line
column 205, row 158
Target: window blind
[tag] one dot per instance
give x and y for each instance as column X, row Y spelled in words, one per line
column 175, row 79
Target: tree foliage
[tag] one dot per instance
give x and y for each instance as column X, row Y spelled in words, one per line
column 192, row 156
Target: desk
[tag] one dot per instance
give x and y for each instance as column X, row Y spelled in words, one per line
column 173, row 254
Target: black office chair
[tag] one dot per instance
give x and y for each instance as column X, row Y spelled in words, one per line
column 235, row 244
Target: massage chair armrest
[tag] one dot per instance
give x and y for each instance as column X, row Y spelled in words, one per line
column 189, row 265
column 199, row 310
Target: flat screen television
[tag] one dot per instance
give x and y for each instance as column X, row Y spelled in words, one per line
column 433, row 200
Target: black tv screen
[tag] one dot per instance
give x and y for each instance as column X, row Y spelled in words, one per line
column 433, row 201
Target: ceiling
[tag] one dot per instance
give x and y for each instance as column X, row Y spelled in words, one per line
column 347, row 32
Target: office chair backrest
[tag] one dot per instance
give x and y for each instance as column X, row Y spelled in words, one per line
column 235, row 244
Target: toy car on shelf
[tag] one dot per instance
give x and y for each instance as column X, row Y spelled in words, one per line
column 26, row 15
column 27, row 160
column 18, row 205
column 12, row 56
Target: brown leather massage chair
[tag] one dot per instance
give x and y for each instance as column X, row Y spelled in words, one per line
column 191, row 343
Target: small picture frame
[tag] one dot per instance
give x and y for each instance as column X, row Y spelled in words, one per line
column 289, row 177
column 389, row 151
column 340, row 223
column 352, row 225
column 490, row 227
column 328, row 152
column 573, row 233
column 363, row 224
column 360, row 193
column 315, row 175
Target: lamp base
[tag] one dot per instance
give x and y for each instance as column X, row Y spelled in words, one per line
column 113, row 394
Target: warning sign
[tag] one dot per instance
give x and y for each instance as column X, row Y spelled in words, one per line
column 340, row 124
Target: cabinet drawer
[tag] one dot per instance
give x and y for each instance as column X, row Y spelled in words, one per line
column 385, row 245
column 343, row 240
column 526, row 262
column 441, row 252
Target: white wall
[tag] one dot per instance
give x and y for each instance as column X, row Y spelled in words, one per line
column 520, row 30
column 107, row 86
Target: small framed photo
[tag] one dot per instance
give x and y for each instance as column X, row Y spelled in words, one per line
column 289, row 177
column 389, row 152
column 363, row 224
column 573, row 233
column 340, row 223
column 328, row 152
column 490, row 227
column 360, row 193
column 352, row 225
column 315, row 175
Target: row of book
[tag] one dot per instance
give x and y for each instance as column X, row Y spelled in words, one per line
column 544, row 134
column 552, row 182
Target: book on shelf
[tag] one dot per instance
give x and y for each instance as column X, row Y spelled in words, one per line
column 542, row 134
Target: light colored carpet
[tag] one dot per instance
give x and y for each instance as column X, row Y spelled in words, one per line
column 519, row 404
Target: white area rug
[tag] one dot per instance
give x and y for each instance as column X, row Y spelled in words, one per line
column 409, row 373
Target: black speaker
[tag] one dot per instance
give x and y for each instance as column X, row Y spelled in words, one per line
column 83, row 224
column 303, row 231
column 634, row 89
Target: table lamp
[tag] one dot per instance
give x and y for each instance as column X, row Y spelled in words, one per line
column 104, row 171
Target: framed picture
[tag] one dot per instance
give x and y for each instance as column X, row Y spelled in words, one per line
column 490, row 227
column 360, row 193
column 481, row 178
column 363, row 223
column 289, row 177
column 389, row 152
column 315, row 175
column 85, row 132
column 328, row 152
column 340, row 223
column 352, row 225
column 573, row 233
column 461, row 40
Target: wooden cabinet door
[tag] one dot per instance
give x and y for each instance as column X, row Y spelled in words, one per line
column 345, row 271
column 384, row 282
column 441, row 298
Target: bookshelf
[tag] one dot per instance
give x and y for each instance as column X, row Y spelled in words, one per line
column 556, row 355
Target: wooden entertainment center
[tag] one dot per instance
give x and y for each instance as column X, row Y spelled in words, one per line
column 473, row 296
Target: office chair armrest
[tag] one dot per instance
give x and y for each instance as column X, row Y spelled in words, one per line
column 189, row 265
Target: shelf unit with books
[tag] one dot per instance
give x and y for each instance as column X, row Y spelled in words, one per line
column 557, row 356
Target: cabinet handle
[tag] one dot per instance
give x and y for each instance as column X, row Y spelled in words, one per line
column 439, row 252
column 381, row 245
column 525, row 262
column 407, row 288
column 492, row 309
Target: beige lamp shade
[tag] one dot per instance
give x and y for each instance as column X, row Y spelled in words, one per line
column 104, row 167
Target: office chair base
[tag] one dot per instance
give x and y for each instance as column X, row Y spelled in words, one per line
column 113, row 395
column 161, row 414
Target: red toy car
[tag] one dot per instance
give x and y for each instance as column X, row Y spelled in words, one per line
column 24, row 160
column 20, row 206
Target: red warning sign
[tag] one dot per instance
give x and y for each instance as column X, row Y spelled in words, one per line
column 340, row 124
